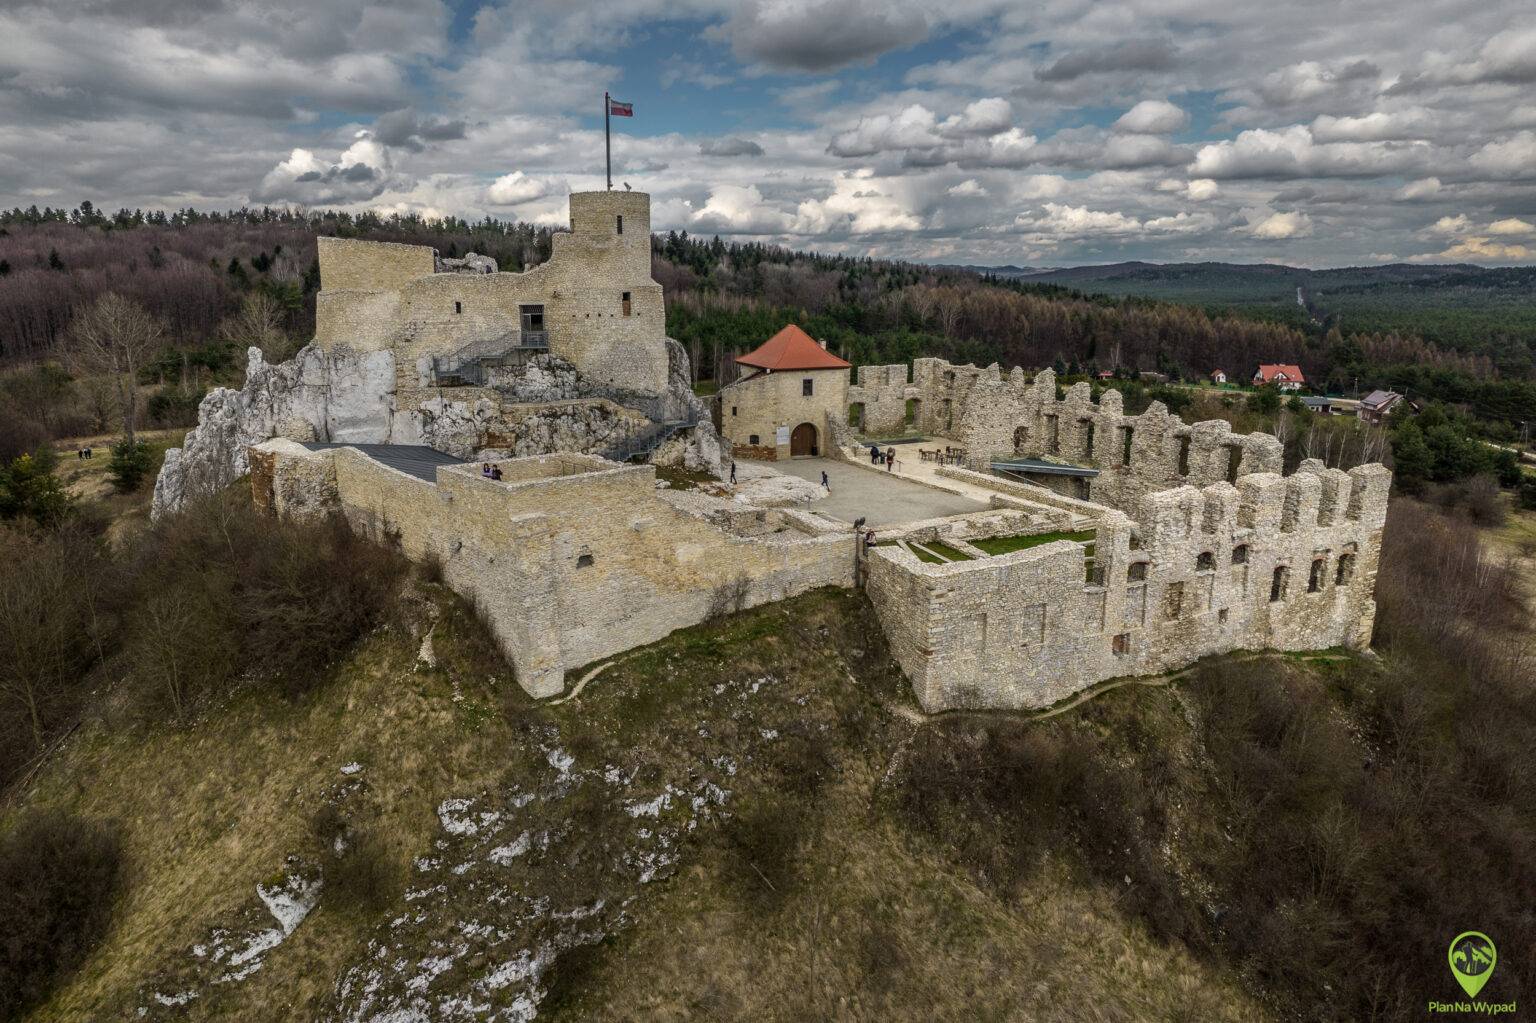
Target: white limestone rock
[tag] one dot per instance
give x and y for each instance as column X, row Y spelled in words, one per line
column 313, row 396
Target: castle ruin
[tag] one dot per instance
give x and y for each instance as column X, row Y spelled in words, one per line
column 1101, row 544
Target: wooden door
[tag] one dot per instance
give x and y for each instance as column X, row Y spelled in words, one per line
column 802, row 441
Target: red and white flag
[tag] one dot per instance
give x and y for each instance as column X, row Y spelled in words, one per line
column 618, row 109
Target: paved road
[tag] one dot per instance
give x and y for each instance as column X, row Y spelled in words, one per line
column 883, row 500
column 421, row 462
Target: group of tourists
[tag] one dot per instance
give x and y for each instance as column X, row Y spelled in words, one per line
column 886, row 458
column 85, row 453
column 490, row 471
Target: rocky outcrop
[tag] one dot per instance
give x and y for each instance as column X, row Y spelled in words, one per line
column 472, row 263
column 341, row 396
column 542, row 378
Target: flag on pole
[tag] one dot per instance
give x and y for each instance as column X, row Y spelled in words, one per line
column 618, row 109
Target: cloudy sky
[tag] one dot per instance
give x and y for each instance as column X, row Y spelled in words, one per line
column 1048, row 133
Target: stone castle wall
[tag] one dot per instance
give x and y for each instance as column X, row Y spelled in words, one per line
column 377, row 295
column 573, row 558
column 760, row 404
column 1193, row 577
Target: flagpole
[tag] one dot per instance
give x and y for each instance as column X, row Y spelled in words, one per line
column 607, row 141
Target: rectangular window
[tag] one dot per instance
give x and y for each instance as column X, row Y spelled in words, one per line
column 458, row 307
column 626, row 303
column 1126, row 435
column 1278, row 583
column 733, row 410
column 807, row 386
column 621, row 224
column 752, row 440
column 1122, row 644
column 1319, row 572
column 1173, row 605
column 1183, row 456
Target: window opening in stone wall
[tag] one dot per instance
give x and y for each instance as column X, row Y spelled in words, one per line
column 1240, row 554
column 1080, row 484
column 752, row 440
column 1234, row 462
column 1122, row 644
column 1183, row 456
column 1221, row 616
column 1315, row 579
column 911, row 414
column 1206, row 562
column 856, row 415
column 625, row 303
column 1087, row 438
column 807, row 387
column 532, row 318
column 1020, row 439
column 458, row 307
column 1346, row 570
column 584, row 561
column 619, row 224
column 1173, row 603
column 1053, row 435
column 1126, row 434
column 1136, row 572
column 1278, row 584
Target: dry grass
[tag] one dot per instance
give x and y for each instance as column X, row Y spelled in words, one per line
column 210, row 810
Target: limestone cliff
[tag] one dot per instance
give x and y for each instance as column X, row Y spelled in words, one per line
column 341, row 396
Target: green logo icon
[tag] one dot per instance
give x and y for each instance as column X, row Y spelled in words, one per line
column 1472, row 957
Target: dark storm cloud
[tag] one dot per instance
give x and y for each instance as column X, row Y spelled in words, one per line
column 404, row 129
column 1148, row 55
column 730, row 147
column 821, row 35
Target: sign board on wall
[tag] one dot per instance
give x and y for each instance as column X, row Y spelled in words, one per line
column 783, row 437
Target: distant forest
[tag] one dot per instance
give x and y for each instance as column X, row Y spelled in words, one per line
column 193, row 270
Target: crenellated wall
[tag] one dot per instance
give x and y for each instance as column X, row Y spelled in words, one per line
column 1193, row 576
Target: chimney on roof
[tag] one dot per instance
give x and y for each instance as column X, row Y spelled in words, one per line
column 823, row 345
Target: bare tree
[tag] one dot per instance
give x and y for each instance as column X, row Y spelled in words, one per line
column 113, row 337
column 258, row 324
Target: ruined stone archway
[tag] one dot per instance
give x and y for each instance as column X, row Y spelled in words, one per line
column 1020, row 440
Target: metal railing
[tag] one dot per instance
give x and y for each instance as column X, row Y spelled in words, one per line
column 469, row 366
column 640, row 440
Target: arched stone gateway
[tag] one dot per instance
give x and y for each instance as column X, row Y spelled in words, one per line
column 802, row 442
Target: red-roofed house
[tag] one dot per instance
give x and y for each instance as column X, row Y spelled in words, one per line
column 781, row 408
column 1282, row 375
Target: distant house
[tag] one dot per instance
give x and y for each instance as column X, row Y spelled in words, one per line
column 1218, row 376
column 1282, row 375
column 1105, row 374
column 1376, row 406
column 1322, row 406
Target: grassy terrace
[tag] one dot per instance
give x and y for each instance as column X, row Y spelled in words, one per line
column 1008, row 544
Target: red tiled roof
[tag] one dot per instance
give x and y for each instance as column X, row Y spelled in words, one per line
column 1268, row 372
column 790, row 349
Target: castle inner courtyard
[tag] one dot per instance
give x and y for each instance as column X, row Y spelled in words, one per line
column 881, row 498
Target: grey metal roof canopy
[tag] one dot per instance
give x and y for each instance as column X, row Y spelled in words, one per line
column 412, row 459
column 1024, row 465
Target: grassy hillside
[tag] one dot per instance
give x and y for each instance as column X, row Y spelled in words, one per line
column 752, row 820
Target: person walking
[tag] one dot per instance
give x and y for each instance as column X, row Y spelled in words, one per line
column 874, row 455
column 890, row 460
column 825, row 483
column 733, row 472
